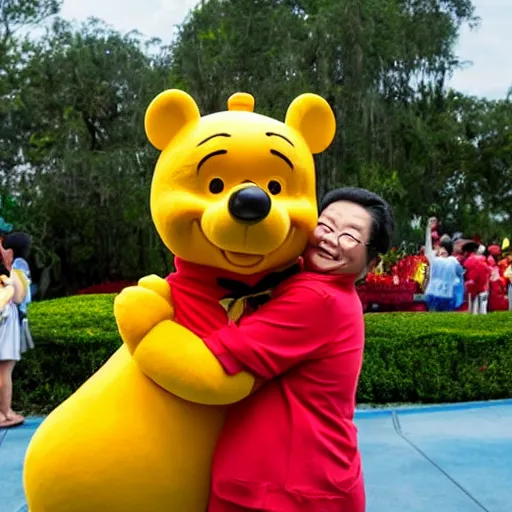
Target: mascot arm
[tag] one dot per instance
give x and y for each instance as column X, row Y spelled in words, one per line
column 288, row 330
column 137, row 309
column 189, row 369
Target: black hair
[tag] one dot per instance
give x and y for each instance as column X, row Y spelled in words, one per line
column 19, row 243
column 447, row 244
column 383, row 222
column 470, row 247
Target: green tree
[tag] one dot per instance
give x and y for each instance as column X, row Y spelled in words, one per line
column 72, row 103
column 84, row 187
column 381, row 65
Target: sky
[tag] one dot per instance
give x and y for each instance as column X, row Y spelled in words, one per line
column 486, row 50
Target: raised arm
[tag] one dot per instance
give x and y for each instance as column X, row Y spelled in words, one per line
column 429, row 251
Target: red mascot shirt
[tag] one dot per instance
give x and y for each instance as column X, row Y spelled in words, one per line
column 292, row 446
column 196, row 293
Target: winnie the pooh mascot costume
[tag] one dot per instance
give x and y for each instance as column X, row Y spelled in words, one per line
column 233, row 197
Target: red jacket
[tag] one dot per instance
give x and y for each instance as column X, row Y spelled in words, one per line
column 477, row 275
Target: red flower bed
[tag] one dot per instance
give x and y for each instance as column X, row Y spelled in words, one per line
column 406, row 268
column 112, row 287
column 387, row 290
column 394, row 290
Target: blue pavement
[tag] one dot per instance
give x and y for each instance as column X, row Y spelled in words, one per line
column 423, row 459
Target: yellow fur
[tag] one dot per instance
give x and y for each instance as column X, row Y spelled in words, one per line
column 177, row 369
column 123, row 442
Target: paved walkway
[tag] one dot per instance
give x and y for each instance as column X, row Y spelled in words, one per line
column 454, row 458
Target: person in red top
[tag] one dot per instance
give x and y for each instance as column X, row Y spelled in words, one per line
column 478, row 274
column 292, row 445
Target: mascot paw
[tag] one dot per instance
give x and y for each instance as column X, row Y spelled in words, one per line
column 138, row 309
column 158, row 285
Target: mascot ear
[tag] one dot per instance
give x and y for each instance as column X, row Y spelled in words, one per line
column 314, row 119
column 167, row 115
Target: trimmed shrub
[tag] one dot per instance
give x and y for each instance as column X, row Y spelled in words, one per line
column 409, row 357
column 437, row 357
column 73, row 337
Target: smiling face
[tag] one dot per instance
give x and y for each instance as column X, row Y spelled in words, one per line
column 235, row 190
column 338, row 244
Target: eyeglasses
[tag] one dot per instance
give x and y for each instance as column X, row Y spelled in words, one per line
column 345, row 240
column 348, row 241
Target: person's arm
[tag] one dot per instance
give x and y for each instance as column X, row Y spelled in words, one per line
column 294, row 328
column 286, row 331
column 20, row 283
column 16, row 285
column 429, row 251
column 6, row 292
column 20, row 278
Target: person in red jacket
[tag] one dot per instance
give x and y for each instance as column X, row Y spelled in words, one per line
column 478, row 274
column 292, row 445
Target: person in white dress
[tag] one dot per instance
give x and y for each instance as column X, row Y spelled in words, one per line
column 14, row 298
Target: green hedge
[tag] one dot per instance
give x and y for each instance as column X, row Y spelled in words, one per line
column 409, row 357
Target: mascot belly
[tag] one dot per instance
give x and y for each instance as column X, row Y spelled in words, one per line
column 122, row 443
column 233, row 197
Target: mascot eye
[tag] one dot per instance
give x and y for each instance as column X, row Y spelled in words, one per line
column 216, row 186
column 274, row 187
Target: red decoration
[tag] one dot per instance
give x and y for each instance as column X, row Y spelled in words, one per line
column 395, row 289
column 388, row 291
column 407, row 267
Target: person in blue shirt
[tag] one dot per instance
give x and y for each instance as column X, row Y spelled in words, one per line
column 14, row 249
column 445, row 288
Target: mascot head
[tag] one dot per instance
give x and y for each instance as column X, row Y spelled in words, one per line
column 236, row 190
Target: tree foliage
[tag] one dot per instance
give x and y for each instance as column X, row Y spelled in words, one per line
column 74, row 155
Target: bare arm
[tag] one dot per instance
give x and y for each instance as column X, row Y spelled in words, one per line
column 6, row 292
column 20, row 283
column 429, row 251
column 15, row 286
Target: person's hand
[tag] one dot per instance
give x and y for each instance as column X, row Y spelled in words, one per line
column 432, row 222
column 6, row 280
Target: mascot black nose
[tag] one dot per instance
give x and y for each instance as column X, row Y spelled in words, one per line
column 250, row 204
